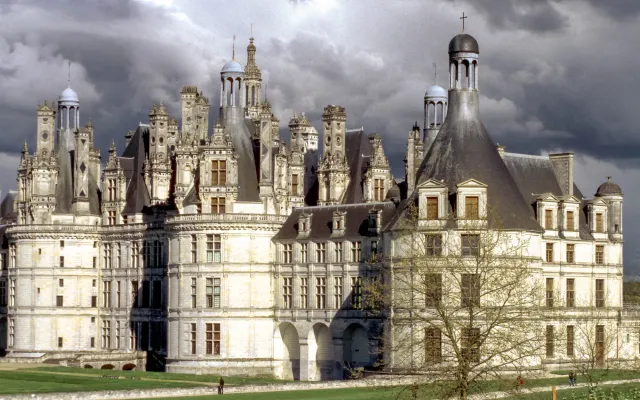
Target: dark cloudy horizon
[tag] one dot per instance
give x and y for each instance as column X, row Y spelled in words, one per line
column 555, row 75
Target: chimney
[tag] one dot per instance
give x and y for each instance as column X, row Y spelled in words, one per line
column 563, row 168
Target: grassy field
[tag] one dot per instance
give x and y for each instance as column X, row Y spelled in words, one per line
column 62, row 379
column 38, row 382
column 611, row 391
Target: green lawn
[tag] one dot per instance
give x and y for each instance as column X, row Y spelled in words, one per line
column 330, row 394
column 38, row 382
column 611, row 391
column 163, row 376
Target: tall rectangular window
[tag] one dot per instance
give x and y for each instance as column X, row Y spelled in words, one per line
column 337, row 292
column 60, row 282
column 107, row 255
column 470, row 287
column 12, row 292
column 321, row 293
column 214, row 248
column 145, row 294
column 570, row 340
column 287, row 253
column 94, row 301
column 571, row 248
column 320, row 252
column 106, row 334
column 304, row 292
column 433, row 245
column 213, row 339
column 111, row 217
column 471, row 210
column 59, row 301
column 433, row 345
column 3, row 293
column 218, row 173
column 3, row 261
column 193, row 336
column 118, row 334
column 194, row 289
column 548, row 219
column 599, row 254
column 12, row 254
column 304, row 253
column 218, row 205
column 356, row 292
column 135, row 250
column 433, row 283
column 356, row 251
column 548, row 252
column 599, row 293
column 432, row 207
column 294, row 184
column 599, row 224
column 571, row 294
column 550, row 294
column 118, row 254
column 213, row 292
column 194, row 248
column 600, row 347
column 287, row 292
column 378, row 189
column 570, row 221
column 157, row 294
column 134, row 294
column 12, row 332
column 61, row 261
column 470, row 245
column 60, row 342
column 106, row 294
column 338, row 251
column 470, row 344
column 118, row 293
column 550, row 343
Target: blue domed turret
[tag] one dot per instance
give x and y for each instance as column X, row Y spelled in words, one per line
column 232, row 66
column 436, row 91
column 68, row 95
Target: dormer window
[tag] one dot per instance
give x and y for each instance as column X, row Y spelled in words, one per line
column 378, row 189
column 432, row 207
column 294, row 185
column 304, row 225
column 548, row 219
column 599, row 223
column 374, row 222
column 570, row 221
column 471, row 210
column 338, row 224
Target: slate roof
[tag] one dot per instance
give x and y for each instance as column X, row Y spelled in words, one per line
column 356, row 221
column 241, row 131
column 132, row 161
column 609, row 188
column 464, row 150
column 358, row 150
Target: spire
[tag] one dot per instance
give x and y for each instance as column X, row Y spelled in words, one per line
column 69, row 76
column 233, row 48
column 435, row 74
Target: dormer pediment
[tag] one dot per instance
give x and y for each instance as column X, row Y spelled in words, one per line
column 570, row 199
column 471, row 183
column 597, row 201
column 547, row 197
column 432, row 184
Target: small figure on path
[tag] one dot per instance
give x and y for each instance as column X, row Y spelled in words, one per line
column 519, row 383
column 221, row 386
column 584, row 369
column 571, row 378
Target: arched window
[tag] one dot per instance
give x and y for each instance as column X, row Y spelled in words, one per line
column 465, row 77
column 432, row 115
column 438, row 117
column 475, row 75
column 253, row 95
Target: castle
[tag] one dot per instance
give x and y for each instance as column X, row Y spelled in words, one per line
column 225, row 250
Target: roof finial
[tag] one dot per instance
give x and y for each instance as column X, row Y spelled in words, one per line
column 266, row 86
column 608, row 179
column 251, row 36
column 463, row 18
column 233, row 51
column 69, row 76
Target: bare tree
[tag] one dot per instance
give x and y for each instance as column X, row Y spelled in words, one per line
column 464, row 302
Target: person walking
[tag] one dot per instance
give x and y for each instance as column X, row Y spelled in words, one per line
column 571, row 378
column 519, row 383
column 221, row 386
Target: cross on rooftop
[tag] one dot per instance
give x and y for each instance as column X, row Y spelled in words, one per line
column 463, row 18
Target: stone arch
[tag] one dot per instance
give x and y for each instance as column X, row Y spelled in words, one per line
column 356, row 346
column 229, row 92
column 466, row 82
column 475, row 74
column 128, row 367
column 108, row 366
column 320, row 342
column 88, row 366
column 287, row 350
column 439, row 117
column 431, row 114
column 453, row 74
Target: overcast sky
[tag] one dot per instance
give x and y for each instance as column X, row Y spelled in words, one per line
column 554, row 75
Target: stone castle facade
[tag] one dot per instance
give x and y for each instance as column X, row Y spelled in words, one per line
column 220, row 248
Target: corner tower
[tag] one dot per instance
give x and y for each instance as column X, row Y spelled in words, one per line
column 253, row 82
column 436, row 102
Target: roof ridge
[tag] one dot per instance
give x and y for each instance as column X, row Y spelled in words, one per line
column 522, row 155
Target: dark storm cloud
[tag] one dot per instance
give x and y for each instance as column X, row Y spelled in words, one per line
column 538, row 16
column 554, row 75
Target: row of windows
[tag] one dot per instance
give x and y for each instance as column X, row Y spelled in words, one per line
column 471, row 207
column 570, row 253
column 212, row 338
column 149, row 295
column 321, row 293
column 214, row 249
column 570, row 338
column 7, row 297
column 213, row 292
column 152, row 335
column 339, row 252
column 570, row 293
column 570, row 221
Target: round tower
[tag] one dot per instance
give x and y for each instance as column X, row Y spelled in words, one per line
column 612, row 194
column 68, row 109
column 463, row 62
column 436, row 102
